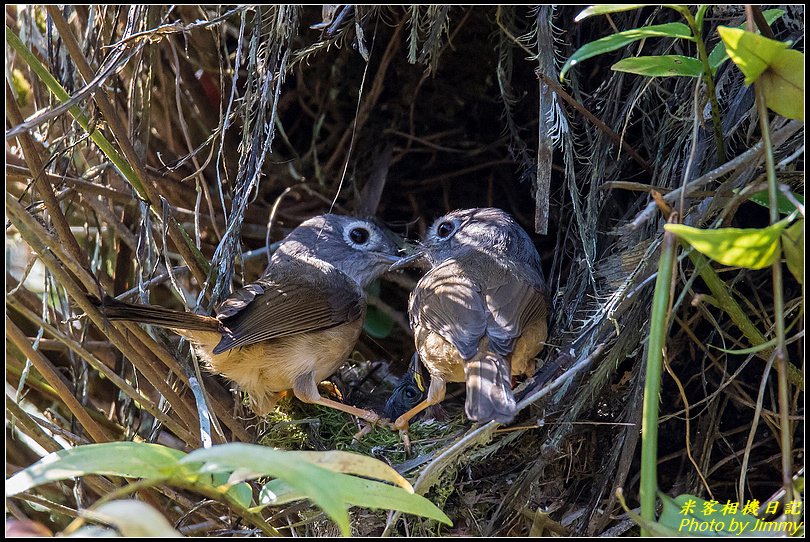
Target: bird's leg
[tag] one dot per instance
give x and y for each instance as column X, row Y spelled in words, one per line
column 435, row 395
column 306, row 389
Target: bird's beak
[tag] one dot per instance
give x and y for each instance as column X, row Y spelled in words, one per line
column 407, row 260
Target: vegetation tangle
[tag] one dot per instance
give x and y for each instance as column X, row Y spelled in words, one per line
column 655, row 155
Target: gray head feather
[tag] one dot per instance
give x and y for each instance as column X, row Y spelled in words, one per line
column 483, row 229
column 360, row 248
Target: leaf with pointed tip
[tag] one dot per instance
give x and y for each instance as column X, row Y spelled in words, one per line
column 661, row 66
column 126, row 459
column 319, row 478
column 620, row 39
column 752, row 248
column 751, row 52
column 783, row 204
column 719, row 53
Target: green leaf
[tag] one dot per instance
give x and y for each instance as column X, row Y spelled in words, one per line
column 751, row 52
column 132, row 518
column 719, row 54
column 361, row 492
column 783, row 204
column 377, row 324
column 690, row 515
column 231, row 485
column 127, row 459
column 357, row 464
column 315, row 478
column 781, row 70
column 661, row 66
column 783, row 84
column 793, row 246
column 242, row 493
column 653, row 528
column 590, row 11
column 753, row 248
column 620, row 39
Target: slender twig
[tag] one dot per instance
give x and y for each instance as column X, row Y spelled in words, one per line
column 134, row 165
column 145, row 403
column 59, row 263
column 744, row 159
column 37, row 167
column 55, row 379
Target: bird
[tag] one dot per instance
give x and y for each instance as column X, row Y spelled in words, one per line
column 294, row 326
column 408, row 392
column 479, row 315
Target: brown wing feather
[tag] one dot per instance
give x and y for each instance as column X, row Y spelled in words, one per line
column 296, row 296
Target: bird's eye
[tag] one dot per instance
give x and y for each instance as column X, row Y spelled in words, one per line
column 359, row 236
column 445, row 229
column 410, row 393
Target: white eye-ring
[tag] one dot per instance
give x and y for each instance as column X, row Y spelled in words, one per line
column 359, row 234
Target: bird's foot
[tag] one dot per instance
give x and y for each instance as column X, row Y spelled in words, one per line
column 365, row 430
column 406, row 441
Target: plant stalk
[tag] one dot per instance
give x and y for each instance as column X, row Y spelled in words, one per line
column 780, row 353
column 659, row 320
column 708, row 79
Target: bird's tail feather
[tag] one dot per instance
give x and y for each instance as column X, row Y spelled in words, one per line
column 489, row 389
column 151, row 314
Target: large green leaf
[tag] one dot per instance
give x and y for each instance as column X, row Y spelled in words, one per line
column 359, row 492
column 719, row 54
column 127, row 459
column 783, row 84
column 751, row 52
column 322, row 480
column 753, row 248
column 621, row 39
column 661, row 66
column 793, row 246
column 780, row 70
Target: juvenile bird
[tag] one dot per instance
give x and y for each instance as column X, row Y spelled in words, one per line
column 480, row 314
column 298, row 323
column 409, row 391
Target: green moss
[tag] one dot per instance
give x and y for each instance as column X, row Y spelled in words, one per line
column 282, row 430
column 297, row 426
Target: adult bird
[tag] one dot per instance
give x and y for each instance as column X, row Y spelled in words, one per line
column 297, row 324
column 479, row 315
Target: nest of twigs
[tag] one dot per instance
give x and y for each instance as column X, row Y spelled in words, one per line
column 242, row 122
